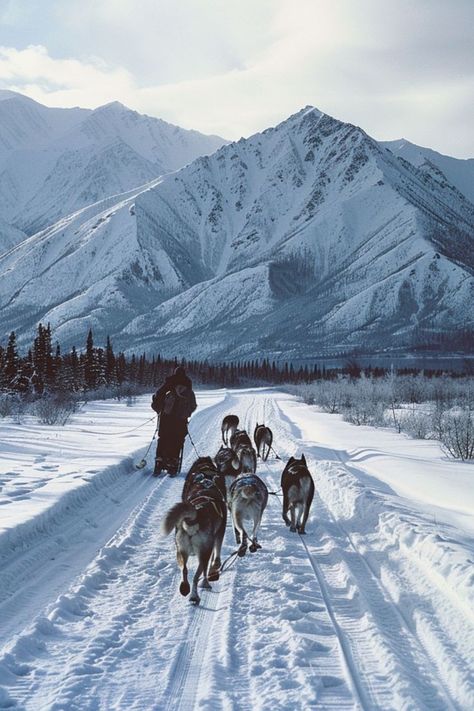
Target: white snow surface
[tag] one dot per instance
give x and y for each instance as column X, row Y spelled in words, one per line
column 372, row 609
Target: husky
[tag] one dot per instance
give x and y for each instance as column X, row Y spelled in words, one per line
column 248, row 498
column 263, row 438
column 228, row 427
column 203, row 468
column 298, row 491
column 199, row 522
column 228, row 465
column 242, row 446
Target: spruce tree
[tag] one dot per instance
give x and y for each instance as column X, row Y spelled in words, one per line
column 11, row 362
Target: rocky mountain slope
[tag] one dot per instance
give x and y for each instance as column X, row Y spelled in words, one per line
column 55, row 161
column 309, row 237
column 456, row 171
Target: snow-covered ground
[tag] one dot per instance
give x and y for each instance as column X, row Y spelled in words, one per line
column 373, row 609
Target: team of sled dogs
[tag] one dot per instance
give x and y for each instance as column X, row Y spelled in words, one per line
column 229, row 481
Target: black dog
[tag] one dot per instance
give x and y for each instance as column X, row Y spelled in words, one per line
column 298, row 491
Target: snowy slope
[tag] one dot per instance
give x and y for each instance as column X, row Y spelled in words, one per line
column 349, row 245
column 55, row 161
column 371, row 610
column 9, row 236
column 306, row 237
column 458, row 172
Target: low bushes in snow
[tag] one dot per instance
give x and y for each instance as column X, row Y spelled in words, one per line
column 55, row 409
column 436, row 408
column 457, row 434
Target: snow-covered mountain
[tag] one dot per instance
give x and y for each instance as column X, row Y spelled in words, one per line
column 456, row 171
column 9, row 236
column 56, row 161
column 305, row 237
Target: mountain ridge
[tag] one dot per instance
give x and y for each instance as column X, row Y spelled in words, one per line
column 309, row 237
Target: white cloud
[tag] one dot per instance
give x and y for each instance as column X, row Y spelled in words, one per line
column 62, row 82
column 395, row 68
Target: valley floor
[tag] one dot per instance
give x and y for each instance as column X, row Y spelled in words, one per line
column 372, row 609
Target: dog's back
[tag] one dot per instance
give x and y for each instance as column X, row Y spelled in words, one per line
column 242, row 446
column 240, row 438
column 228, row 465
column 203, row 468
column 248, row 490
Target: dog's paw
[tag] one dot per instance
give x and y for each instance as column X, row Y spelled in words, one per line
column 206, row 585
column 287, row 523
column 301, row 531
column 293, row 529
column 215, row 575
column 242, row 551
column 195, row 599
column 184, row 589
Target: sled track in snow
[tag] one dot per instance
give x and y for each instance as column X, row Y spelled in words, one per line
column 380, row 603
column 309, row 621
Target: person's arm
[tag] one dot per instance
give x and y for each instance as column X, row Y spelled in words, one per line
column 159, row 397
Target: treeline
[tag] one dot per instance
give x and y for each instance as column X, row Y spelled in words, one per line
column 44, row 368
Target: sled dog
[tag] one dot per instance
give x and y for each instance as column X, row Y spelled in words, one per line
column 298, row 491
column 263, row 438
column 228, row 464
column 248, row 498
column 242, row 446
column 199, row 522
column 228, row 427
column 203, row 468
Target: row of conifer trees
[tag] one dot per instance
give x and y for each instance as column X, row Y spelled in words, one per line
column 45, row 368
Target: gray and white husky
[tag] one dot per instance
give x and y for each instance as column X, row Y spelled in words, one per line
column 228, row 465
column 298, row 491
column 242, row 446
column 199, row 522
column 247, row 498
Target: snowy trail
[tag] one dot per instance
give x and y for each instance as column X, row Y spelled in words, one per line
column 370, row 610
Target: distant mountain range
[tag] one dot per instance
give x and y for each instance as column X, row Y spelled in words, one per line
column 56, row 161
column 308, row 237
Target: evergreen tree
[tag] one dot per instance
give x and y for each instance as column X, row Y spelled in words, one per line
column 90, row 370
column 11, row 362
column 110, row 372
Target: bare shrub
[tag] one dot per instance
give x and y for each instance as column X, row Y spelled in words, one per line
column 55, row 409
column 14, row 406
column 457, row 434
column 417, row 424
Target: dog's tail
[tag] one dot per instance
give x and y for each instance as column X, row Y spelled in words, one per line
column 176, row 515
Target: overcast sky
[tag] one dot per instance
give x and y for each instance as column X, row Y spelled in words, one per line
column 398, row 68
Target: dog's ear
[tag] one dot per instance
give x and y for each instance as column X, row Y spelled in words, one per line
column 303, row 459
column 290, row 461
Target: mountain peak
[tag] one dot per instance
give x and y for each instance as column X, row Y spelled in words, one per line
column 114, row 106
